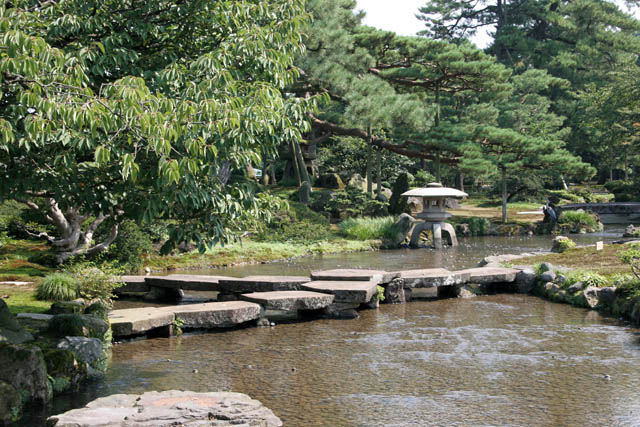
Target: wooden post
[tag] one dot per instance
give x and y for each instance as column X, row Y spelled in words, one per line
column 379, row 173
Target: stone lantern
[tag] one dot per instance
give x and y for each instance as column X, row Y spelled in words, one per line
column 434, row 213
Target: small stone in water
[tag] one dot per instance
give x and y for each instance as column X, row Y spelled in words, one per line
column 273, row 324
column 293, row 369
column 195, row 371
column 606, row 377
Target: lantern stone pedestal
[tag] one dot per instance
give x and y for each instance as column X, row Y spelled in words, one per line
column 434, row 214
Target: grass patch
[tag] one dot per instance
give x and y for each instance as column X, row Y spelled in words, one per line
column 22, row 299
column 605, row 262
column 251, row 252
column 14, row 256
column 367, row 228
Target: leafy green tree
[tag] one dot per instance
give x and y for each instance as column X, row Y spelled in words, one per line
column 112, row 109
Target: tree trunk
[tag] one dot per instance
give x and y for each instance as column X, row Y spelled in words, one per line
column 504, row 196
column 461, row 183
column 72, row 240
column 369, row 167
column 304, row 174
column 294, row 162
column 379, row 173
column 263, row 178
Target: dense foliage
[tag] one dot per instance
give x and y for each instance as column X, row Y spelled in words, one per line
column 111, row 110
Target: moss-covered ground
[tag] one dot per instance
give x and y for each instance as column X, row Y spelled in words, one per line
column 605, row 262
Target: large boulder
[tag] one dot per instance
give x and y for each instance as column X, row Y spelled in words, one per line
column 78, row 325
column 87, row 350
column 402, row 227
column 170, row 408
column 526, row 280
column 23, row 367
column 330, row 180
column 10, row 330
column 357, row 181
column 596, row 297
column 561, row 244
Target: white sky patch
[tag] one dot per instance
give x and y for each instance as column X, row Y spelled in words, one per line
column 399, row 16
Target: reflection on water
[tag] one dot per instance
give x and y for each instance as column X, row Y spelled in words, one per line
column 495, row 360
column 469, row 252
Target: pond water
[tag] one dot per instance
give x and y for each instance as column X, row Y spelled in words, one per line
column 492, row 360
column 467, row 254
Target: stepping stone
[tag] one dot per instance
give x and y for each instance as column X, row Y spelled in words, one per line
column 261, row 284
column 290, row 300
column 355, row 274
column 35, row 316
column 133, row 284
column 215, row 314
column 186, row 282
column 132, row 321
column 432, row 277
column 351, row 292
column 483, row 275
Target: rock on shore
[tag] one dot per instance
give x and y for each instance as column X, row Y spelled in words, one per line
column 170, row 408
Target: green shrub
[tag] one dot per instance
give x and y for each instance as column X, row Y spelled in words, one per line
column 624, row 191
column 560, row 196
column 580, row 219
column 422, row 178
column 631, row 256
column 57, row 287
column 477, row 226
column 397, row 203
column 130, row 247
column 589, row 278
column 296, row 224
column 368, row 228
column 94, row 283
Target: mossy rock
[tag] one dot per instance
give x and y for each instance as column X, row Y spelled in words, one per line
column 61, row 363
column 67, row 307
column 10, row 403
column 78, row 325
column 98, row 309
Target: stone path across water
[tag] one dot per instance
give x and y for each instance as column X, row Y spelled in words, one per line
column 354, row 292
column 290, row 300
column 331, row 290
column 355, row 274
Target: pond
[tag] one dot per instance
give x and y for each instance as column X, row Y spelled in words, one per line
column 492, row 360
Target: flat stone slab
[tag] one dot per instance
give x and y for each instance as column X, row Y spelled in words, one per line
column 290, row 300
column 484, row 275
column 187, row 282
column 35, row 316
column 355, row 275
column 15, row 283
column 432, row 277
column 215, row 314
column 261, row 284
column 350, row 292
column 170, row 408
column 133, row 321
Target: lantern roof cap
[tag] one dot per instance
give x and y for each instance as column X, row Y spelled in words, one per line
column 435, row 190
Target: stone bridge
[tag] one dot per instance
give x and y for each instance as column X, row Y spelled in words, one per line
column 332, row 293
